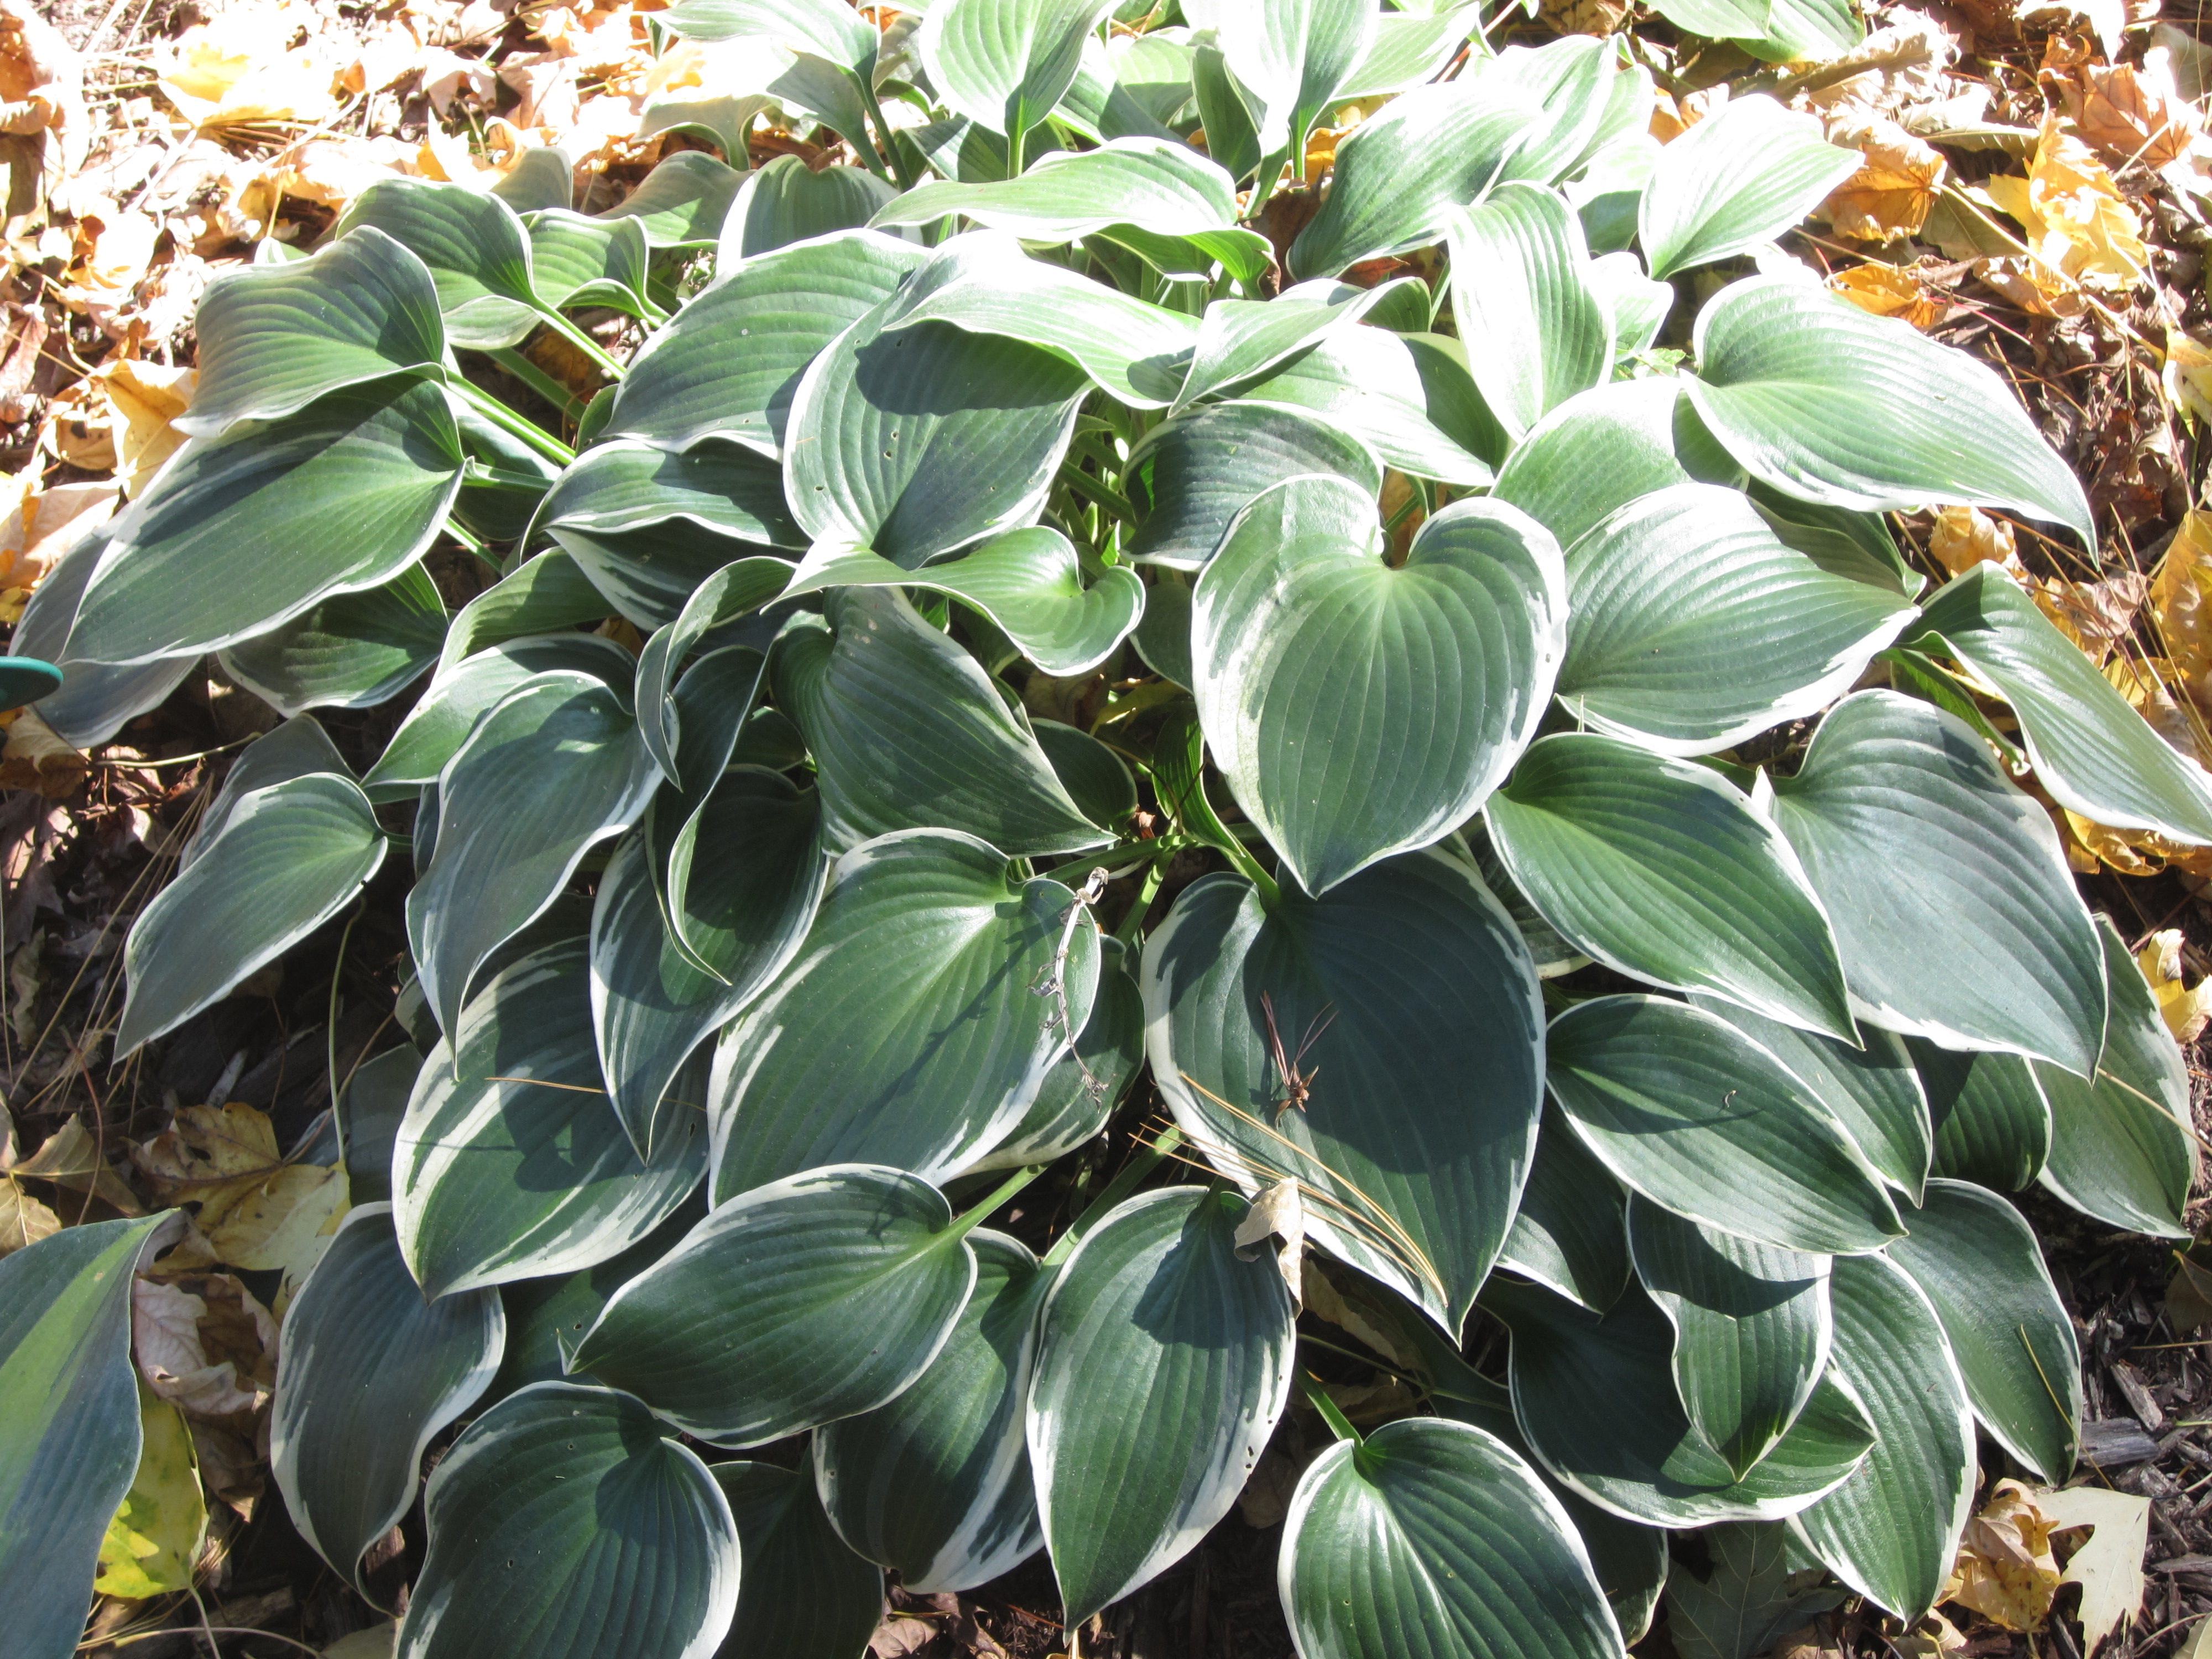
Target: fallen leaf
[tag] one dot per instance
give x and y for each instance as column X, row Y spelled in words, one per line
column 234, row 1462
column 2130, row 115
column 23, row 1220
column 281, row 1224
column 899, row 1635
column 144, row 398
column 1277, row 1213
column 1886, row 291
column 2198, row 1645
column 2186, row 1009
column 2108, row 1566
column 41, row 526
column 209, row 1152
column 377, row 1642
column 1965, row 535
column 1903, row 64
column 190, row 1347
column 2097, row 617
column 2076, row 220
column 42, row 109
column 2004, row 1569
column 239, row 69
column 2189, row 1292
column 2109, row 18
column 2180, row 603
column 1898, row 182
column 71, row 1157
column 154, row 1537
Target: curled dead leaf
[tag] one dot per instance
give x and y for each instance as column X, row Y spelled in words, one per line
column 2077, row 222
column 2185, row 1008
column 2180, row 605
column 2004, row 1569
column 36, row 757
column 143, row 398
column 1897, row 184
column 211, row 1354
column 1965, row 535
column 1887, row 291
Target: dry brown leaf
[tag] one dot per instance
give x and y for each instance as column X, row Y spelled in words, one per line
column 2186, row 1008
column 1965, row 535
column 41, row 526
column 2004, row 1569
column 42, row 109
column 36, row 757
column 1277, row 1213
column 1672, row 116
column 2097, row 617
column 2077, row 222
column 2129, row 115
column 172, row 1330
column 1901, row 65
column 239, row 69
column 1897, row 184
column 210, row 1154
column 1887, row 291
column 71, row 1157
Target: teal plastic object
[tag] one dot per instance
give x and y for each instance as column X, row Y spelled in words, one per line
column 26, row 680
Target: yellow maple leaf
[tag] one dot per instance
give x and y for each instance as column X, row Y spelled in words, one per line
column 1898, row 180
column 1886, row 291
column 2078, row 224
column 2180, row 604
column 145, row 397
column 154, row 1537
column 2187, row 1009
column 2188, row 373
column 1965, row 535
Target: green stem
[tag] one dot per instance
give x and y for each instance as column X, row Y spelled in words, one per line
column 1264, row 186
column 1317, row 1397
column 1093, row 489
column 975, row 1217
column 510, row 422
column 884, row 130
column 476, row 472
column 583, row 341
column 1014, row 150
column 331, row 1027
column 539, row 381
column 1128, row 852
column 1134, row 1174
column 1131, row 932
column 468, row 542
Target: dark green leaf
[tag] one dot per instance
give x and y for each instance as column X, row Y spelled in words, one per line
column 351, row 651
column 476, row 247
column 1992, row 1123
column 460, row 691
column 805, row 1595
column 1191, row 475
column 1569, row 1229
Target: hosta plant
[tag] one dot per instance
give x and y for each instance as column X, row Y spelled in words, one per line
column 1620, row 949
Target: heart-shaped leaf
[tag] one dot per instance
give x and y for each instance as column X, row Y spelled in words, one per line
column 730, row 594
column 1602, row 449
column 1989, row 945
column 1576, row 79
column 786, row 202
column 273, row 338
column 1029, row 582
column 1536, row 331
column 1991, row 1121
column 936, row 1484
column 95, row 700
column 913, row 1025
column 1408, row 398
column 1752, row 1328
column 1826, row 402
column 822, row 27
column 290, row 857
column 799, row 1303
column 1459, row 645
column 546, row 594
column 1408, row 993
column 292, row 750
column 448, row 710
column 1084, row 1085
column 1005, row 62
column 805, row 1595
column 1190, row 476
column 1695, row 626
column 1398, row 175
column 554, row 768
column 475, row 248
column 1433, row 1526
column 1289, row 57
column 1686, row 1110
column 683, row 201
column 1164, row 1364
column 908, row 732
column 517, row 1089
column 2123, row 1151
column 744, row 911
column 1736, row 180
column 1662, row 869
column 70, row 1402
column 1240, row 339
column 2092, row 750
column 1571, row 1229
column 1409, row 48
column 579, row 261
column 353, row 650
column 234, row 536
column 367, row 1373
column 730, row 361
column 1890, row 1531
column 1595, row 1397
column 620, row 1536
column 1976, row 1261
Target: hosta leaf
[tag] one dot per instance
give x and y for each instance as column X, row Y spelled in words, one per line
column 1891, row 1530
column 918, row 443
column 625, row 484
column 1174, row 207
column 1435, row 1527
column 1408, row 48
column 1854, row 544
column 1397, row 176
column 292, row 750
column 1799, row 29
column 1662, row 869
column 1694, row 627
column 1231, row 137
column 1005, row 62
column 908, row 732
column 937, row 1483
column 441, row 719
column 1740, row 179
column 735, row 590
column 723, row 121
column 1686, row 1110
column 798, row 1302
column 1029, row 582
column 1570, row 1230
column 234, row 537
column 95, row 700
column 1992, row 1122
column 70, row 1402
column 1744, row 1605
column 290, row 857
column 1427, row 1042
column 368, row 1372
column 1138, row 352
column 580, row 261
column 910, row 1027
column 683, row 201
column 1164, row 1363
column 1602, row 450
column 353, row 650
column 1989, row 945
column 1752, row 1328
column 1574, row 79
column 648, row 571
column 551, row 770
column 787, row 202
column 1638, row 304
column 1191, row 475
column 1240, row 339
column 1872, row 1090
column 1290, row 56
column 273, row 339
column 620, row 1537
column 1595, row 1400
column 1536, row 331
column 1081, row 1090
column 1459, row 644
column 805, row 1595
column 475, row 248
column 824, row 28
column 370, row 1106
column 2090, row 749
column 1408, row 399
column 2123, row 1150
column 1825, row 402
column 1718, row 20
column 545, row 595
column 731, row 360
column 517, row 1093
column 746, row 911
column 1976, row 1261
column 543, row 177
